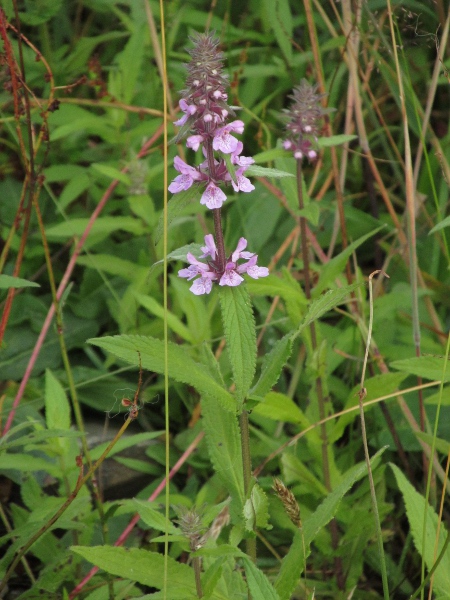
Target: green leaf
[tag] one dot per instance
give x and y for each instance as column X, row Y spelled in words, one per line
column 57, row 407
column 114, row 265
column 125, row 442
column 258, row 584
column 103, row 227
column 240, row 335
column 257, row 171
column 335, row 140
column 142, row 566
column 272, row 366
column 179, row 254
column 444, row 223
column 38, row 12
column 174, row 323
column 174, row 207
column 225, row 450
column 181, row 366
column 279, row 19
column 8, row 281
column 442, row 446
column 280, row 407
column 294, row 561
column 336, row 265
column 377, row 386
column 428, row 367
column 111, row 173
column 325, row 303
column 416, row 509
column 256, row 510
column 287, row 287
column 154, row 518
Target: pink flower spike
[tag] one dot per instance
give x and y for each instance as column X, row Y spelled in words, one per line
column 213, row 196
column 210, row 247
column 194, row 141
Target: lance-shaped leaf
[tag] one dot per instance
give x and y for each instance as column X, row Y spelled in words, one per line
column 240, row 334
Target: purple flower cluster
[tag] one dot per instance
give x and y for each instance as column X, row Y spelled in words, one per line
column 303, row 121
column 206, row 111
column 223, row 141
column 210, row 271
column 206, row 123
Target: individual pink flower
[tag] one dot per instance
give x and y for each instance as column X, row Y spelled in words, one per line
column 186, row 178
column 242, row 184
column 188, row 109
column 213, row 196
column 194, row 141
column 230, row 276
column 241, row 161
column 224, row 141
column 252, row 269
column 203, row 285
column 209, row 249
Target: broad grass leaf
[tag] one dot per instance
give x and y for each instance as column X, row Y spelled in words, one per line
column 279, row 20
column 377, row 386
column 125, row 442
column 27, row 463
column 181, row 366
column 8, row 281
column 257, row 171
column 57, row 407
column 111, row 173
column 444, row 223
column 142, row 566
column 335, row 140
column 272, row 366
column 239, row 328
column 108, row 263
column 325, row 303
column 415, row 510
column 441, row 445
column 225, row 450
column 74, row 189
column 102, row 228
column 332, row 269
column 173, row 322
column 294, row 561
column 428, row 367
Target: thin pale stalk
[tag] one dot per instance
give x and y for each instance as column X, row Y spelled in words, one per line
column 373, row 495
column 163, row 71
column 247, row 469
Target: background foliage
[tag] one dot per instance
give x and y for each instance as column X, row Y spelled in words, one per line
column 82, row 147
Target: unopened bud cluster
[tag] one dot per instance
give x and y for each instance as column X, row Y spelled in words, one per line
column 304, row 118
